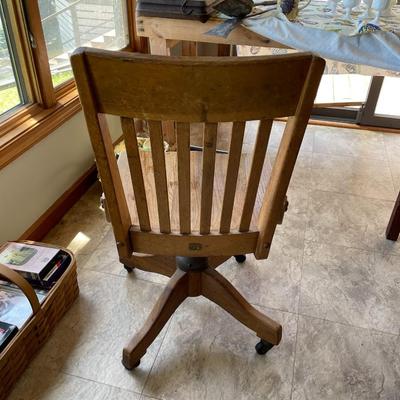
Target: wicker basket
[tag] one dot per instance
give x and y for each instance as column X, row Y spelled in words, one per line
column 21, row 350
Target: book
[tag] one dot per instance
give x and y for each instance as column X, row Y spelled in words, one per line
column 58, row 265
column 33, row 262
column 7, row 332
column 15, row 308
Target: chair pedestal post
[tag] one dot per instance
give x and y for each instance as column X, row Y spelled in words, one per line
column 192, row 264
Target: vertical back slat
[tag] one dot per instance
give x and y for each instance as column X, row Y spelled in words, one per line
column 160, row 175
column 207, row 178
column 235, row 151
column 257, row 164
column 183, row 143
column 135, row 167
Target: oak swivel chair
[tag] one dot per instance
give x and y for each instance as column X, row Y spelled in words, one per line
column 183, row 213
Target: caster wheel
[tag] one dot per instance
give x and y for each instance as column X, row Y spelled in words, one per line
column 262, row 347
column 286, row 205
column 130, row 368
column 240, row 259
column 128, row 268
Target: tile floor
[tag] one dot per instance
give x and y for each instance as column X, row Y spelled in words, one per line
column 332, row 280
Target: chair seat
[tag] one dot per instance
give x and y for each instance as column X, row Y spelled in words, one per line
column 172, row 177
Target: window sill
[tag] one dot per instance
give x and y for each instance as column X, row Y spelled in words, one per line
column 33, row 123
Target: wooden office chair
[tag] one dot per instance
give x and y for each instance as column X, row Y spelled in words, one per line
column 184, row 213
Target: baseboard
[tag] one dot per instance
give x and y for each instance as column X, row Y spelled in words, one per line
column 54, row 214
column 347, row 125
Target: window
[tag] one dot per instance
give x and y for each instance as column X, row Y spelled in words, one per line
column 68, row 24
column 12, row 92
column 37, row 91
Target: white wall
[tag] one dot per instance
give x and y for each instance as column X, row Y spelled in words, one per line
column 34, row 181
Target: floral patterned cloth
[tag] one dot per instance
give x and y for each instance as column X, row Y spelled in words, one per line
column 333, row 37
column 317, row 15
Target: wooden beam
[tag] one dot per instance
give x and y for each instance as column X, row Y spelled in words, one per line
column 39, row 50
column 182, row 29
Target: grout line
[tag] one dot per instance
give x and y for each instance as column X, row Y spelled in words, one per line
column 390, row 167
column 384, row 252
column 307, row 152
column 370, row 330
column 313, row 142
column 158, row 352
column 368, row 250
column 298, row 306
column 122, row 276
column 272, row 308
column 144, row 397
column 98, row 382
column 324, row 319
column 351, row 194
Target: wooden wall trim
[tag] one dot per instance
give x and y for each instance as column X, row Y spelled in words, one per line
column 35, row 127
column 41, row 58
column 53, row 215
column 334, row 124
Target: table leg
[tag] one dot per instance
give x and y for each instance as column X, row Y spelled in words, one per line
column 393, row 228
column 159, row 46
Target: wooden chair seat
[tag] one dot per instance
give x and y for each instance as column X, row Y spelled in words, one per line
column 221, row 161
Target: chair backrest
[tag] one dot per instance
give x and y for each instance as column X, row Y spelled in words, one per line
column 195, row 90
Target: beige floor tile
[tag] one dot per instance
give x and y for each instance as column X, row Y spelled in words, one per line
column 351, row 221
column 83, row 227
column 391, row 140
column 351, row 286
column 89, row 340
column 105, row 259
column 396, row 176
column 206, row 354
column 302, row 171
column 274, row 282
column 338, row 362
column 293, row 227
column 349, row 142
column 277, row 132
column 353, row 175
column 392, row 143
column 44, row 384
column 276, row 135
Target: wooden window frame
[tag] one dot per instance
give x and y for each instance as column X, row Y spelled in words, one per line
column 50, row 107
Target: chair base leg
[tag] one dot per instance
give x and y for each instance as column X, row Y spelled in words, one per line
column 192, row 279
column 173, row 295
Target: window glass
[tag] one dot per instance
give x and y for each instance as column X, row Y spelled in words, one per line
column 388, row 102
column 68, row 24
column 10, row 90
column 343, row 88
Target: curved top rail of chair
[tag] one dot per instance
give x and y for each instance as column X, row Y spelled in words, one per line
column 214, row 96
